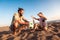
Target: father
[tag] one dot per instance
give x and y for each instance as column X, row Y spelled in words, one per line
column 18, row 20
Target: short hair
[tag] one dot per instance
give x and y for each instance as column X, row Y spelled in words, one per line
column 39, row 13
column 19, row 9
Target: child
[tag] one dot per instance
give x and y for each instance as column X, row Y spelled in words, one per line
column 42, row 20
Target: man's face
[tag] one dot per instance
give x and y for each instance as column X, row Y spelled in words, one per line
column 21, row 12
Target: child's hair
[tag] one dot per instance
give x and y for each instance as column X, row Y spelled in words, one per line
column 39, row 13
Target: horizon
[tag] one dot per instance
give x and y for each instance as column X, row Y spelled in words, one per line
column 50, row 8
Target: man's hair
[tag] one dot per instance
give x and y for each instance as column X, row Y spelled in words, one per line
column 19, row 9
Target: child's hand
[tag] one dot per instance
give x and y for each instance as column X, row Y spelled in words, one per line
column 33, row 17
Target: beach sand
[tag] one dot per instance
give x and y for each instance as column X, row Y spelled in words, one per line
column 53, row 33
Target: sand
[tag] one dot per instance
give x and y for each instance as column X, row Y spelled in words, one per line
column 53, row 33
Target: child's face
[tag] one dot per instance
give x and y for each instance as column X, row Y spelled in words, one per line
column 40, row 15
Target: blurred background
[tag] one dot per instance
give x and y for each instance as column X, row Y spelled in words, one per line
column 50, row 8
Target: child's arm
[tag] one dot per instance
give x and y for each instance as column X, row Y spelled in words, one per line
column 35, row 18
column 44, row 17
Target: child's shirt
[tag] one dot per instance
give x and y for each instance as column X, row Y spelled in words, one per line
column 42, row 21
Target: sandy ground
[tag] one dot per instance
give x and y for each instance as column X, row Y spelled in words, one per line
column 53, row 33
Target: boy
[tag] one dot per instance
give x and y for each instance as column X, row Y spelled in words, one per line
column 42, row 20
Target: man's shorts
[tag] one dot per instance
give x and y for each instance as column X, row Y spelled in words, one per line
column 12, row 28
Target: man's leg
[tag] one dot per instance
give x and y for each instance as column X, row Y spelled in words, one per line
column 15, row 26
column 27, row 25
column 19, row 28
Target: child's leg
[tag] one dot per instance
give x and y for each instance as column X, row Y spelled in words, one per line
column 35, row 27
column 45, row 26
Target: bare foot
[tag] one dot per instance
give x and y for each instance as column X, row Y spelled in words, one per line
column 14, row 33
column 19, row 31
column 32, row 30
column 46, row 29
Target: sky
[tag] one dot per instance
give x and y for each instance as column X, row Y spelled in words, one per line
column 50, row 8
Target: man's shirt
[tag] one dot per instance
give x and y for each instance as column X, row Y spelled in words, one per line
column 17, row 17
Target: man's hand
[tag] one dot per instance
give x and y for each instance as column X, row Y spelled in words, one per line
column 24, row 23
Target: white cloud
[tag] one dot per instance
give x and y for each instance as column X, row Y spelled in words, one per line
column 54, row 12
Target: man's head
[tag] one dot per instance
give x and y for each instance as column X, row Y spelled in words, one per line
column 40, row 14
column 20, row 11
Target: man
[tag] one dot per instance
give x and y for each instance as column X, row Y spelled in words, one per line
column 18, row 20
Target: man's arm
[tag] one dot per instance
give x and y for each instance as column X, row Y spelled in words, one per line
column 21, row 22
column 25, row 19
column 17, row 19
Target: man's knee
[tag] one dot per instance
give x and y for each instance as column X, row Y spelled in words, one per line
column 16, row 24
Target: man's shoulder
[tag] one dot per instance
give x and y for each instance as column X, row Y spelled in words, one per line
column 15, row 14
